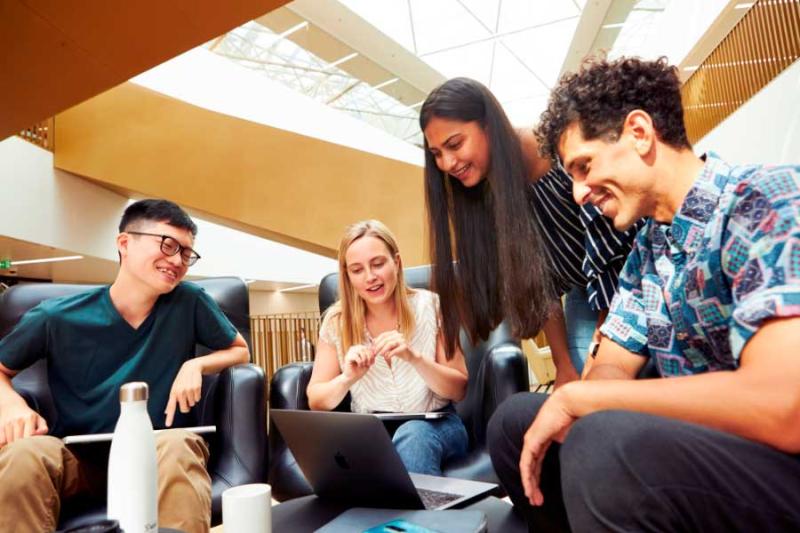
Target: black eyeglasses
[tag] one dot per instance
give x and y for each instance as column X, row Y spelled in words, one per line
column 170, row 246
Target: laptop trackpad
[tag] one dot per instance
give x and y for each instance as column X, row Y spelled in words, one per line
column 443, row 492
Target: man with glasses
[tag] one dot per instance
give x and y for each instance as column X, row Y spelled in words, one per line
column 144, row 327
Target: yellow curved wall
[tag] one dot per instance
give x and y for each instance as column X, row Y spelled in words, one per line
column 277, row 184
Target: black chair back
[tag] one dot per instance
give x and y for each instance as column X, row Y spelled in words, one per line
column 415, row 277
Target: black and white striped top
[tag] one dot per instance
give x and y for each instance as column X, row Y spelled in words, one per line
column 585, row 249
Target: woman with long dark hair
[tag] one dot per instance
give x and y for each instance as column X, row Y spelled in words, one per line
column 507, row 217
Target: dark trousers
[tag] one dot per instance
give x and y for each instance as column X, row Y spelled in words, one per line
column 625, row 471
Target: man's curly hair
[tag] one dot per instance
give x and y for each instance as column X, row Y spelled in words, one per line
column 602, row 93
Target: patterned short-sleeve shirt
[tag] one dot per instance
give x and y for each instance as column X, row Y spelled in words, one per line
column 694, row 291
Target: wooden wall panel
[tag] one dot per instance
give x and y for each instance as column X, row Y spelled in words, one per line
column 764, row 42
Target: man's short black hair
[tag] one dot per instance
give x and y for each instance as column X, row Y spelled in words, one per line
column 602, row 93
column 156, row 210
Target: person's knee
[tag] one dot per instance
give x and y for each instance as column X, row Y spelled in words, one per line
column 180, row 446
column 31, row 452
column 593, row 443
column 607, row 438
column 184, row 484
column 417, row 435
column 420, row 447
column 512, row 419
column 603, row 453
column 25, row 461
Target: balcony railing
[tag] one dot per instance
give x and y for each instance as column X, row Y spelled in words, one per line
column 764, row 42
column 282, row 339
column 41, row 134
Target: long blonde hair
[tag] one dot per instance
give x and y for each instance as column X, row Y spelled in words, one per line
column 350, row 307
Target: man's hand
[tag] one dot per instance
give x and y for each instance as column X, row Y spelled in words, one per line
column 552, row 424
column 357, row 361
column 18, row 422
column 393, row 344
column 186, row 388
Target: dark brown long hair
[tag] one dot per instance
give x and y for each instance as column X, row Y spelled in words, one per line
column 490, row 230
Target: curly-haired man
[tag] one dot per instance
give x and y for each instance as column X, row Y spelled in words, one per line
column 709, row 296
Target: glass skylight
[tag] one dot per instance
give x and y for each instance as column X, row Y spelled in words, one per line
column 259, row 48
column 515, row 47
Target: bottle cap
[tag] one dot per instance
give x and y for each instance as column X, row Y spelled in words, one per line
column 133, row 392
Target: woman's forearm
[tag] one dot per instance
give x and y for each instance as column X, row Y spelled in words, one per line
column 326, row 396
column 444, row 381
column 556, row 331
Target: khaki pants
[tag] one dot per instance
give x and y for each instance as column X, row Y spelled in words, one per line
column 37, row 473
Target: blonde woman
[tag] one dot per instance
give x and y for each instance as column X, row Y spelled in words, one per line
column 382, row 342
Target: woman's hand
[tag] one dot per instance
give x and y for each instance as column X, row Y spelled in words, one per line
column 391, row 344
column 357, row 361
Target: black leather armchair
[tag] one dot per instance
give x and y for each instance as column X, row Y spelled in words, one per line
column 233, row 400
column 497, row 369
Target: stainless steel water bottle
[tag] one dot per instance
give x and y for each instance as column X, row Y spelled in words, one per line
column 132, row 467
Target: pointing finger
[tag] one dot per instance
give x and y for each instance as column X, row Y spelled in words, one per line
column 170, row 411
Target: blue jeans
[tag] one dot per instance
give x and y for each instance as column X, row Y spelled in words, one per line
column 424, row 445
column 580, row 320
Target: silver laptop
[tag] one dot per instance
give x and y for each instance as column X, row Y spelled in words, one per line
column 349, row 456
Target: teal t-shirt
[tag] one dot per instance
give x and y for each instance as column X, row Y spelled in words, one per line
column 91, row 351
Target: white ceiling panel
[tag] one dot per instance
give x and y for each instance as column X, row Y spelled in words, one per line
column 543, row 49
column 444, row 24
column 486, row 11
column 520, row 14
column 511, row 79
column 473, row 61
column 517, row 47
column 525, row 112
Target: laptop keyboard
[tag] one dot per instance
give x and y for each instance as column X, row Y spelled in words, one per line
column 432, row 499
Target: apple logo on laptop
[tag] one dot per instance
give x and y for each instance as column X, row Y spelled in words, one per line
column 341, row 461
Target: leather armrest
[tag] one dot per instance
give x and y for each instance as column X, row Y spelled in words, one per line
column 506, row 373
column 240, row 444
column 503, row 371
column 287, row 391
column 288, row 387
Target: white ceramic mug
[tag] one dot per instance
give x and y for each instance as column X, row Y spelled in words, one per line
column 247, row 509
